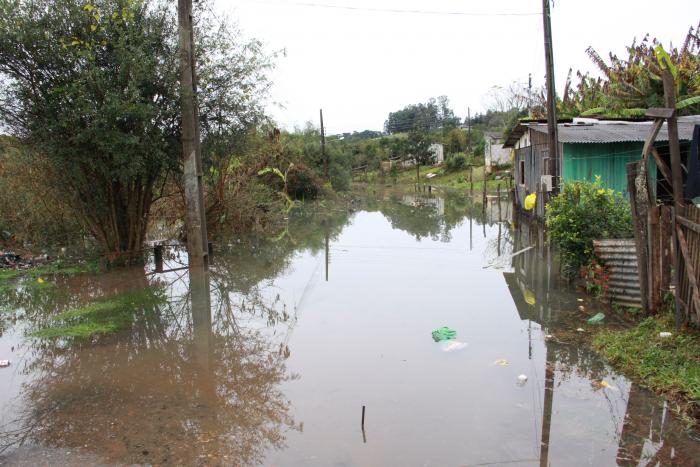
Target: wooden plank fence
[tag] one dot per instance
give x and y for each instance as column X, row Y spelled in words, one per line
column 688, row 232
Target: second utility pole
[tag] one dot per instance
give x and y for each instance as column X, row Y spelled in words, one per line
column 323, row 148
column 551, row 94
column 469, row 131
column 197, row 246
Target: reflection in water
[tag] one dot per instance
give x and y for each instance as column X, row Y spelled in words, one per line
column 213, row 376
column 180, row 388
column 647, row 433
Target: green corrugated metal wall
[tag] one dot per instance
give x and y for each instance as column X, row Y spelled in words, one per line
column 585, row 161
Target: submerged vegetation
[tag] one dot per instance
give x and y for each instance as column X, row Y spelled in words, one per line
column 104, row 316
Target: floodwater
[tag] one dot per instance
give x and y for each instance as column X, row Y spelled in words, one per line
column 270, row 358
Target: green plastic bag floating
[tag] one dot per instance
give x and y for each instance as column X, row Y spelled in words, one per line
column 530, row 201
column 444, row 334
column 597, row 319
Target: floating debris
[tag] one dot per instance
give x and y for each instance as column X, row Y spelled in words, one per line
column 665, row 334
column 522, row 379
column 444, row 333
column 602, row 385
column 4, row 363
column 580, row 330
column 581, row 308
column 452, row 345
column 597, row 319
column 501, row 362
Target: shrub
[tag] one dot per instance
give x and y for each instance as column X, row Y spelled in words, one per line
column 302, row 182
column 456, row 162
column 32, row 210
column 585, row 211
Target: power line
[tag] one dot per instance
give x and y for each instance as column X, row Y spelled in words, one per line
column 393, row 10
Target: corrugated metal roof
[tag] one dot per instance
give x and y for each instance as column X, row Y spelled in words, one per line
column 614, row 132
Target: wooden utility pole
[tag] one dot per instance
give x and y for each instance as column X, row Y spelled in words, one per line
column 551, row 94
column 674, row 145
column 323, row 148
column 192, row 162
column 529, row 95
column 469, row 131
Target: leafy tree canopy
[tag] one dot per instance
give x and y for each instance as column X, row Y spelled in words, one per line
column 93, row 90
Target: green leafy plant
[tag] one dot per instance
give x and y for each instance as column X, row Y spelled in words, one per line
column 585, row 211
column 456, row 162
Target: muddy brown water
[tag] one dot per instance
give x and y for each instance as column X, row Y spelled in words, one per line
column 269, row 359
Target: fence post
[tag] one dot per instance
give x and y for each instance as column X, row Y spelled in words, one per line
column 158, row 257
column 639, row 220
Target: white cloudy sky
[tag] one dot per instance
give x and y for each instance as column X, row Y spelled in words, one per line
column 359, row 65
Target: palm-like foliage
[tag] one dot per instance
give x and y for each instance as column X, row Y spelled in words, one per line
column 630, row 85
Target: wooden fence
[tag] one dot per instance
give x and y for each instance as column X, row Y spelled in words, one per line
column 688, row 232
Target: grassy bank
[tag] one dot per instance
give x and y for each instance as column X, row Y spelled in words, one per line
column 670, row 366
column 458, row 180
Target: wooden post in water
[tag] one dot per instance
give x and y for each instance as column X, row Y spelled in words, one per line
column 471, row 180
column 499, row 203
column 484, row 191
column 158, row 257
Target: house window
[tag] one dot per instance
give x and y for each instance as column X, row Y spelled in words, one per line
column 521, row 173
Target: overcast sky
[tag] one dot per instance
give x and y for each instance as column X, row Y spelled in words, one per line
column 360, row 64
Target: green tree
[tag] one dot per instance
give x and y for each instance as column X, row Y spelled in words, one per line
column 418, row 145
column 92, row 88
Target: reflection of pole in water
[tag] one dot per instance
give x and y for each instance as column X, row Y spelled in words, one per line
column 498, row 247
column 201, row 322
column 529, row 339
column 547, row 409
column 643, row 422
column 324, row 224
column 499, row 203
column 471, row 242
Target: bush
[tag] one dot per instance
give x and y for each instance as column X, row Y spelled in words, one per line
column 583, row 212
column 32, row 210
column 302, row 182
column 456, row 162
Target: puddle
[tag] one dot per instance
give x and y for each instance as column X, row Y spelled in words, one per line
column 269, row 358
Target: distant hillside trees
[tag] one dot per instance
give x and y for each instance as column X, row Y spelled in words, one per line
column 432, row 115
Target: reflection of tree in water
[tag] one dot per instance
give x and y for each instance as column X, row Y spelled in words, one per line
column 145, row 396
column 244, row 265
column 425, row 215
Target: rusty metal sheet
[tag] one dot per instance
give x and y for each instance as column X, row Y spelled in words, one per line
column 620, row 256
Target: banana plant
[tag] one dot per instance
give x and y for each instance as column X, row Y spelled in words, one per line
column 291, row 204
